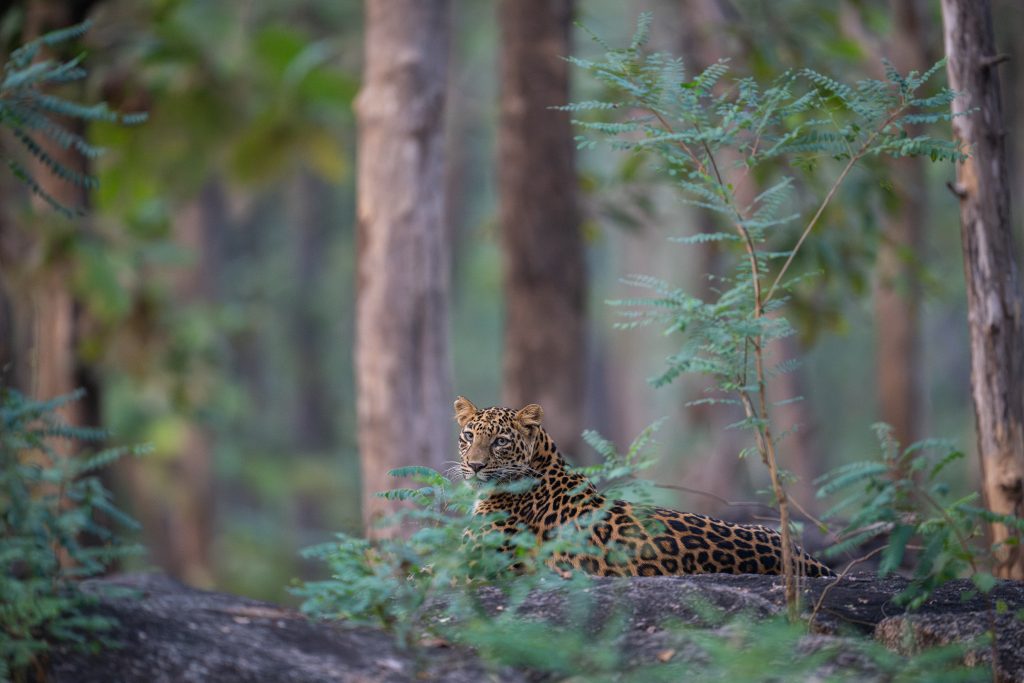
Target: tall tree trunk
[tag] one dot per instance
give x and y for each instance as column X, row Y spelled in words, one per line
column 897, row 286
column 53, row 356
column 994, row 297
column 313, row 418
column 403, row 366
column 544, row 259
column 173, row 494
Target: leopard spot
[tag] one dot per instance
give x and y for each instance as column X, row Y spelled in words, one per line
column 678, row 526
column 720, row 529
column 743, row 545
column 761, row 536
column 631, row 531
column 692, row 542
column 744, row 534
column 689, row 564
column 647, row 569
column 763, row 549
column 723, row 558
column 748, row 567
column 667, row 545
column 647, row 552
column 589, row 565
column 670, row 564
column 602, row 532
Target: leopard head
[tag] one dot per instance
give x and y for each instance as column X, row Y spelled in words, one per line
column 497, row 444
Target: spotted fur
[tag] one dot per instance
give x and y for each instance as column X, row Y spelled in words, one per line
column 503, row 445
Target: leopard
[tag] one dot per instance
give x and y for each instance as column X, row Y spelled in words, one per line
column 499, row 446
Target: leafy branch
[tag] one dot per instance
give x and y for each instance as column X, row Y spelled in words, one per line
column 33, row 115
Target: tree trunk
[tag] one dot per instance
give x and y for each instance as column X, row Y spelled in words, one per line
column 994, row 298
column 897, row 286
column 173, row 493
column 403, row 367
column 544, row 259
column 313, row 418
column 52, row 355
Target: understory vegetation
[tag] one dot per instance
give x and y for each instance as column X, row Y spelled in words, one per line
column 58, row 526
column 447, row 583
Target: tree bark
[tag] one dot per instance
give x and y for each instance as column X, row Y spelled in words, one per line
column 403, row 366
column 314, row 410
column 52, row 355
column 544, row 259
column 994, row 298
column 174, row 494
column 897, row 286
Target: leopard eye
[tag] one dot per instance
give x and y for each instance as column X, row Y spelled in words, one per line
column 501, row 442
column 467, row 435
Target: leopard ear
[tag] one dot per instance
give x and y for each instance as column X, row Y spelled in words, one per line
column 464, row 410
column 530, row 416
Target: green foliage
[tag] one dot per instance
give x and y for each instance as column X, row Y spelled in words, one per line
column 901, row 500
column 797, row 121
column 33, row 115
column 51, row 535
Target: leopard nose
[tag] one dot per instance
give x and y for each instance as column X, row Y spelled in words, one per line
column 477, row 466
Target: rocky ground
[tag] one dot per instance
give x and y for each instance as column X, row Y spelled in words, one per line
column 170, row 632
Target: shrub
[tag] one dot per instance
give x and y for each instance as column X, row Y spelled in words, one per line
column 50, row 533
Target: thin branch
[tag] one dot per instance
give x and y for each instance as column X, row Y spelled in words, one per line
column 817, row 522
column 680, row 143
column 831, row 193
column 842, row 575
column 720, row 499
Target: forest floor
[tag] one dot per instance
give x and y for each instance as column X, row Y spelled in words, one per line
column 170, row 632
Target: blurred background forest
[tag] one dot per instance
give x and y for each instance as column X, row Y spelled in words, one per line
column 207, row 299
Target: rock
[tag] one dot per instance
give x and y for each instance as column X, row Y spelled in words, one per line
column 170, row 633
column 913, row 633
column 174, row 633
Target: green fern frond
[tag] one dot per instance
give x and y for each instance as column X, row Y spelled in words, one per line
column 30, row 112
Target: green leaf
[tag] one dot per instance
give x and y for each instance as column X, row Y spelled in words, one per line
column 984, row 581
